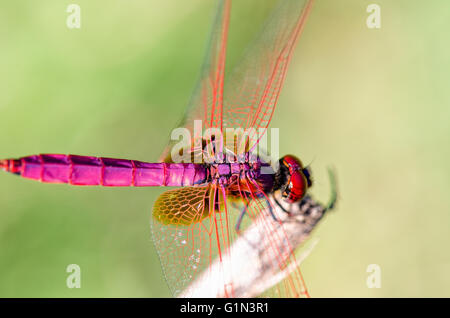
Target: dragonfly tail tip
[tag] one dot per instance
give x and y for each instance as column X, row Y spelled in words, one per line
column 4, row 165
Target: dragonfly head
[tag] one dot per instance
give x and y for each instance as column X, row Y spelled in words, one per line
column 292, row 179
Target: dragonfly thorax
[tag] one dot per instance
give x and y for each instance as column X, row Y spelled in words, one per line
column 227, row 173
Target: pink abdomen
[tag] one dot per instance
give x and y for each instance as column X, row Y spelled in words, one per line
column 83, row 170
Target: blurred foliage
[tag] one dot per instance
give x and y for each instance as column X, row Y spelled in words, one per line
column 374, row 103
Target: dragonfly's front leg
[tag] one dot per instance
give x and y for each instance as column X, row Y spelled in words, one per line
column 278, row 204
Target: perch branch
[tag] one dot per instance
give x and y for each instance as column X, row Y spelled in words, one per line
column 253, row 250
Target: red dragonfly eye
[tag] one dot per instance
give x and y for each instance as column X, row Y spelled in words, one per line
column 297, row 182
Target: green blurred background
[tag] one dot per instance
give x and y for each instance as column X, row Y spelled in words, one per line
column 374, row 103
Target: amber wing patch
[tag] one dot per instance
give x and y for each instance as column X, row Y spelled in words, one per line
column 183, row 206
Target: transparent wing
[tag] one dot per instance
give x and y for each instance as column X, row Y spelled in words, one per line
column 252, row 90
column 190, row 231
column 193, row 228
column 248, row 97
column 206, row 102
column 278, row 273
column 282, row 274
column 203, row 256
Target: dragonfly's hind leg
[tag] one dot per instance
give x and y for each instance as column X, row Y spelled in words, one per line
column 240, row 218
column 244, row 211
column 271, row 209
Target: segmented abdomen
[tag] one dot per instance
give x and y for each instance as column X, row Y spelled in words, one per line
column 83, row 170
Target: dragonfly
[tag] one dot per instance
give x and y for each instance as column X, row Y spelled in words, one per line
column 221, row 190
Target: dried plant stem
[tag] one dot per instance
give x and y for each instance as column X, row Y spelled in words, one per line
column 252, row 255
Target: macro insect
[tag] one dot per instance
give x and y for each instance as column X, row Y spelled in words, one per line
column 194, row 225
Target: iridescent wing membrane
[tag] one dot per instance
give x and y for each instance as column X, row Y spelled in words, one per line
column 194, row 227
column 252, row 90
column 206, row 102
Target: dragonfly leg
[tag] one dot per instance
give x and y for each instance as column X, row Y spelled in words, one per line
column 271, row 209
column 279, row 205
column 244, row 211
column 240, row 218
